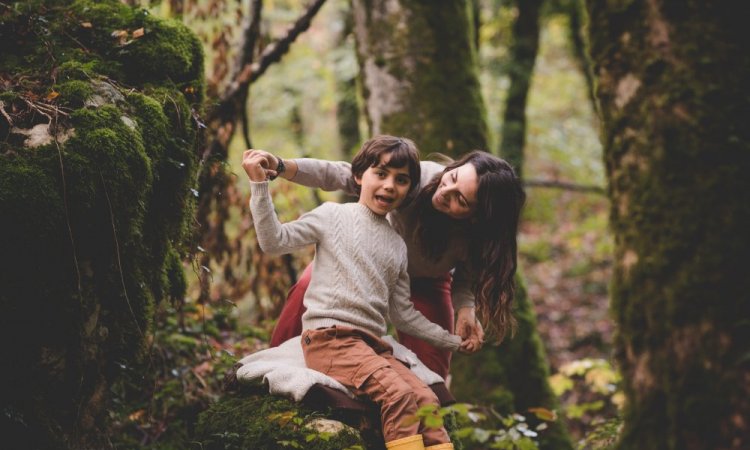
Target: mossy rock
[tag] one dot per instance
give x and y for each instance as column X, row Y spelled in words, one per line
column 96, row 170
column 265, row 422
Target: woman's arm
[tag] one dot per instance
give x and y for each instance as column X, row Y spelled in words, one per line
column 467, row 325
column 310, row 172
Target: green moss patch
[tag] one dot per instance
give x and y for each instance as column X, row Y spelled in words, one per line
column 96, row 213
column 265, row 422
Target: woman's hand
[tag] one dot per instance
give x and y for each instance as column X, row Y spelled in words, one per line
column 470, row 330
column 255, row 164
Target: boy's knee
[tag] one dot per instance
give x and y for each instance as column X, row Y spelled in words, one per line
column 425, row 396
column 392, row 387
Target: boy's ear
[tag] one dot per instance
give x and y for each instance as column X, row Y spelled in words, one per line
column 358, row 180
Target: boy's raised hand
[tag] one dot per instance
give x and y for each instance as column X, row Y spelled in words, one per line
column 256, row 163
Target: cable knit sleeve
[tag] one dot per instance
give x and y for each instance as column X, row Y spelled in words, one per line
column 276, row 238
column 408, row 320
column 326, row 175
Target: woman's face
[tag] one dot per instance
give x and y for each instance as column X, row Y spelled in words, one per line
column 456, row 195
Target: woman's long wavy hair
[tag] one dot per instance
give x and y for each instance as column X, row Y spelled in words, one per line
column 491, row 233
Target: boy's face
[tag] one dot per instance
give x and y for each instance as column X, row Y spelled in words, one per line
column 384, row 188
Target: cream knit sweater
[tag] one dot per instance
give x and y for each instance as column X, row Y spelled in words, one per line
column 337, row 175
column 359, row 276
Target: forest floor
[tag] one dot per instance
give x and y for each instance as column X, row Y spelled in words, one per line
column 569, row 287
column 565, row 257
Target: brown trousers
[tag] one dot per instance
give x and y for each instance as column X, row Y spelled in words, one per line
column 365, row 364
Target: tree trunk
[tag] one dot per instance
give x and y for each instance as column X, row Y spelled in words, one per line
column 576, row 29
column 521, row 67
column 418, row 66
column 347, row 108
column 672, row 87
column 419, row 69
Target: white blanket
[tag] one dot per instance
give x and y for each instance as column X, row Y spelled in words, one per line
column 283, row 368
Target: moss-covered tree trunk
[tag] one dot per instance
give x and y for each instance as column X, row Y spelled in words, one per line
column 419, row 72
column 347, row 107
column 520, row 68
column 96, row 164
column 672, row 86
column 577, row 30
column 418, row 63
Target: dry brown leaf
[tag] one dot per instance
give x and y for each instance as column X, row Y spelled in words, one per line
column 86, row 25
column 138, row 33
column 52, row 95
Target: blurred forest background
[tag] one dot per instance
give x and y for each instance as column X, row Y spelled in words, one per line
column 132, row 281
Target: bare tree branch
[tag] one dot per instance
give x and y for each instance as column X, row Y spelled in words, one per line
column 252, row 35
column 271, row 54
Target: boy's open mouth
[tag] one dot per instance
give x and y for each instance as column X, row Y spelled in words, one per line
column 380, row 198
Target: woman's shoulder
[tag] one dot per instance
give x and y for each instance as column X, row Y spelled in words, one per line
column 429, row 169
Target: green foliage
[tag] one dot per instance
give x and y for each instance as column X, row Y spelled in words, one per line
column 591, row 395
column 157, row 401
column 510, row 432
column 603, row 435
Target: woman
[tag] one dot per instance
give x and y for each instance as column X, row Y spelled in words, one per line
column 460, row 233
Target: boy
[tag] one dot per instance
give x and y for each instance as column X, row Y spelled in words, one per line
column 359, row 280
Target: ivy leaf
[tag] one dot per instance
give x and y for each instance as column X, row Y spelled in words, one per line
column 433, row 421
column 544, row 414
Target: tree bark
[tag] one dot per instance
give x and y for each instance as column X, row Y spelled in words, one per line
column 419, row 72
column 672, row 88
column 347, row 108
column 418, row 64
column 521, row 67
column 576, row 28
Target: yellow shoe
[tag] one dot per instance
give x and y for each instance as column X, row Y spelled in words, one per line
column 446, row 446
column 407, row 443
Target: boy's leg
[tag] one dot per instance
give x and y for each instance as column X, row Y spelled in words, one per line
column 424, row 396
column 431, row 297
column 290, row 319
column 346, row 356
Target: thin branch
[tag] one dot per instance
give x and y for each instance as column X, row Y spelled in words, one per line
column 117, row 254
column 5, row 113
column 271, row 54
column 554, row 184
column 252, row 34
column 67, row 215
